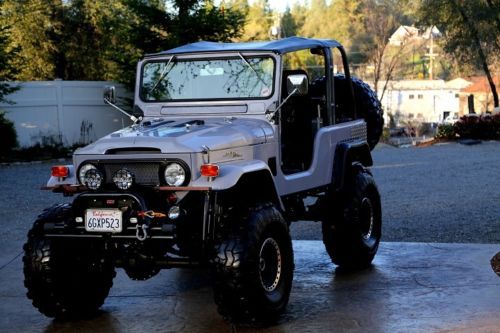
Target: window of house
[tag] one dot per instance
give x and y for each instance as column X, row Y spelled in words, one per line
column 456, row 95
column 412, row 96
column 420, row 96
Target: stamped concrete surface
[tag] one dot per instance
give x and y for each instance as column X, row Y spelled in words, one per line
column 411, row 287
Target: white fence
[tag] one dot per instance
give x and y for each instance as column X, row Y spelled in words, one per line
column 63, row 111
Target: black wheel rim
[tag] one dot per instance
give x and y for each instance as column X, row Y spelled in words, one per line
column 270, row 264
column 367, row 219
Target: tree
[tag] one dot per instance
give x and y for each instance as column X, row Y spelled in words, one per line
column 8, row 135
column 472, row 31
column 317, row 24
column 35, row 31
column 102, row 40
column 258, row 23
column 7, row 70
column 289, row 26
column 381, row 19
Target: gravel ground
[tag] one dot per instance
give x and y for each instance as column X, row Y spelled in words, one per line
column 444, row 193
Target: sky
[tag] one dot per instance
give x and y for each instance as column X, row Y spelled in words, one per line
column 279, row 5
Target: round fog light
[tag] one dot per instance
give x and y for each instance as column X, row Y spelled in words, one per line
column 174, row 212
column 123, row 179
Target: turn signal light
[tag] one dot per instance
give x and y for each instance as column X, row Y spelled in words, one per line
column 209, row 170
column 60, row 171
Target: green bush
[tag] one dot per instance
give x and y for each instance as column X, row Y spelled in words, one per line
column 446, row 131
column 8, row 136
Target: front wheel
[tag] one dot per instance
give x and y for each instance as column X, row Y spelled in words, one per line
column 352, row 228
column 254, row 270
column 65, row 279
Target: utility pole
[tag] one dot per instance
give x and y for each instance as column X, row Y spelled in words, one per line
column 431, row 54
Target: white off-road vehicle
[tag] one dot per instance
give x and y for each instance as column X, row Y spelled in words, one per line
column 231, row 142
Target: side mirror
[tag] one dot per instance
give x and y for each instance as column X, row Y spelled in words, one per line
column 297, row 84
column 109, row 94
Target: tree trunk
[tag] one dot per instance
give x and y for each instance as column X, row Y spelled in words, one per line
column 482, row 55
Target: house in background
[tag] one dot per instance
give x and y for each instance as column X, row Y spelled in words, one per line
column 407, row 33
column 483, row 98
column 427, row 101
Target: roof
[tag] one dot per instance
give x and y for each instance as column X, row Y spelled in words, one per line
column 414, row 85
column 458, row 83
column 278, row 46
column 480, row 84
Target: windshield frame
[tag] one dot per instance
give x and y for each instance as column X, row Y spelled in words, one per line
column 202, row 57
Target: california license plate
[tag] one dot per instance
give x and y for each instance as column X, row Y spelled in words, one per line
column 103, row 220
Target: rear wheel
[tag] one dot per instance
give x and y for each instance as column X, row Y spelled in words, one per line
column 65, row 279
column 254, row 270
column 352, row 228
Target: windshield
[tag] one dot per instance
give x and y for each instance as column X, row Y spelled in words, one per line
column 207, row 79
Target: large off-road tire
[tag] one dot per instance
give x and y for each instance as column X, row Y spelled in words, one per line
column 352, row 223
column 65, row 278
column 254, row 269
column 368, row 105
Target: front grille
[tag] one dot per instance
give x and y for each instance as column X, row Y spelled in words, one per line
column 144, row 173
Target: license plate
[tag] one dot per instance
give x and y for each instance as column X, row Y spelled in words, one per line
column 103, row 220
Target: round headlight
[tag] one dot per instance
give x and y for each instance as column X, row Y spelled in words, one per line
column 123, row 179
column 175, row 175
column 93, row 179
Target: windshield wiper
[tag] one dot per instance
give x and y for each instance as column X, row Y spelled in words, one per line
column 253, row 69
column 163, row 74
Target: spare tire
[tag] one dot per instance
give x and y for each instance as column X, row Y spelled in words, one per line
column 367, row 105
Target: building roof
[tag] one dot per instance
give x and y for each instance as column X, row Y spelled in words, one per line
column 414, row 85
column 480, row 84
column 278, row 46
column 458, row 83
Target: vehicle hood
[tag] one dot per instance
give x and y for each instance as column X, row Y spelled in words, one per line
column 184, row 136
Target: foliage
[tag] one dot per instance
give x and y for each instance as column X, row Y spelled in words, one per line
column 483, row 127
column 472, row 31
column 446, row 132
column 259, row 19
column 102, row 40
column 35, row 30
column 8, row 135
column 7, row 71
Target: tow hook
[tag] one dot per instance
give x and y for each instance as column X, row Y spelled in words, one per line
column 141, row 232
column 141, row 229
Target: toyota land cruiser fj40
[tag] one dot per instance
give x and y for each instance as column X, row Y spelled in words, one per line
column 230, row 143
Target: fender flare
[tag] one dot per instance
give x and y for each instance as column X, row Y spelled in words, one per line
column 347, row 154
column 246, row 178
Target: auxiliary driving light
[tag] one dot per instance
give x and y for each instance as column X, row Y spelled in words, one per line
column 93, row 179
column 174, row 212
column 123, row 179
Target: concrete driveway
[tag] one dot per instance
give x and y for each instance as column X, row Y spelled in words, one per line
column 411, row 287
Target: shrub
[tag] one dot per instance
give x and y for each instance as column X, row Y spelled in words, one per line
column 446, row 131
column 8, row 136
column 483, row 127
